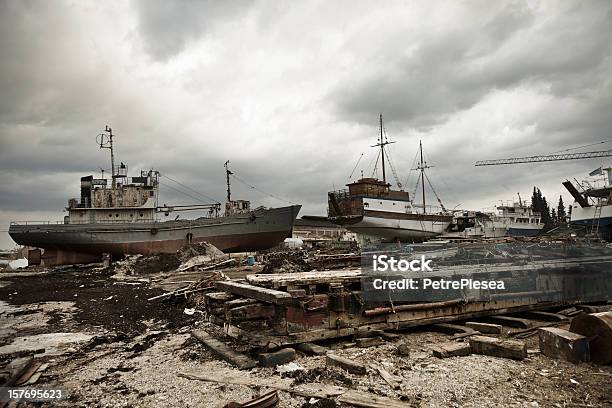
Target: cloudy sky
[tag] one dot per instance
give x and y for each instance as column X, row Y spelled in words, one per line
column 290, row 93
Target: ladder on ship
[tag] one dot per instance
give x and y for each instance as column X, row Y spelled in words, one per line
column 596, row 219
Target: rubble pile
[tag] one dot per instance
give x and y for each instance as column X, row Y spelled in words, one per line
column 196, row 256
column 287, row 261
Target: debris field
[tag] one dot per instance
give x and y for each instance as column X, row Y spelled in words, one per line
column 203, row 329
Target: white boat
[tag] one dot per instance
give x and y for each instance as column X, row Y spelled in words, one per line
column 592, row 208
column 520, row 220
column 476, row 224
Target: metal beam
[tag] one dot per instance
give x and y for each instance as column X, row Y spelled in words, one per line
column 545, row 158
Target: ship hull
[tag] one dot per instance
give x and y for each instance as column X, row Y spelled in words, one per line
column 523, row 232
column 260, row 229
column 390, row 227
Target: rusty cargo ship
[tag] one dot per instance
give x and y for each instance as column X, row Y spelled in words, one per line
column 125, row 218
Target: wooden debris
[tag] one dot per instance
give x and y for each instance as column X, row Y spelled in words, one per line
column 224, row 351
column 452, row 349
column 492, row 346
column 485, row 328
column 268, row 400
column 15, row 369
column 276, row 358
column 563, row 344
column 367, row 400
column 545, row 316
column 363, row 333
column 312, row 349
column 511, row 321
column 351, row 397
column 369, row 342
column 345, row 363
column 393, row 381
column 255, row 292
column 403, row 349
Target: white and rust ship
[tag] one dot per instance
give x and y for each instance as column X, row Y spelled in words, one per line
column 124, row 218
column 371, row 207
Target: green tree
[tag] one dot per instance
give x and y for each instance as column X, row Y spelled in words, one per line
column 561, row 214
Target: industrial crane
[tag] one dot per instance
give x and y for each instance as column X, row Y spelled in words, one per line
column 545, row 158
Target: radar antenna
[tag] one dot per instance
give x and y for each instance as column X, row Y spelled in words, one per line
column 106, row 142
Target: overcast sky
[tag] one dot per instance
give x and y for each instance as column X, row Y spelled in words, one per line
column 290, row 93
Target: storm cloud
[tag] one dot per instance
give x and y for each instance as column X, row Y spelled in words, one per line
column 290, row 93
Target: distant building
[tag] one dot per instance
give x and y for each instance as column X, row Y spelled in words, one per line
column 316, row 228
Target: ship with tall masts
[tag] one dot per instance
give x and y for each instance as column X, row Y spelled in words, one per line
column 126, row 218
column 370, row 206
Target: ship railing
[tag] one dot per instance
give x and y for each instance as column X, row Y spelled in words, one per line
column 36, row 222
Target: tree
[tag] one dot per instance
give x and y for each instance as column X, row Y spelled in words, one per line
column 561, row 214
column 540, row 205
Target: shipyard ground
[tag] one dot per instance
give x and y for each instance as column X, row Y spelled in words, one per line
column 108, row 346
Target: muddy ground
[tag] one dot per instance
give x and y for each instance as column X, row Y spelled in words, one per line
column 108, row 346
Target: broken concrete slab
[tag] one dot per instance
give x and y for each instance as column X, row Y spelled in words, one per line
column 346, row 364
column 452, row 349
column 485, row 328
column 563, row 344
column 491, row 346
column 276, row 358
column 224, row 351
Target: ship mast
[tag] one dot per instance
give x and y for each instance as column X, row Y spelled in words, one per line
column 422, row 166
column 106, row 142
column 228, row 173
column 382, row 145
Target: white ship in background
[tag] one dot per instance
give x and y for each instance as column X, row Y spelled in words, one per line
column 370, row 207
column 592, row 208
column 519, row 219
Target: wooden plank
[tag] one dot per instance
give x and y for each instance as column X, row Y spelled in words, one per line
column 251, row 312
column 351, row 397
column 545, row 316
column 346, row 364
column 511, row 321
column 224, row 351
column 367, row 400
column 451, row 349
column 305, row 278
column 264, row 294
column 486, row 328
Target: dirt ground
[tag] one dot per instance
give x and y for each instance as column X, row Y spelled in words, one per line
column 108, row 346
